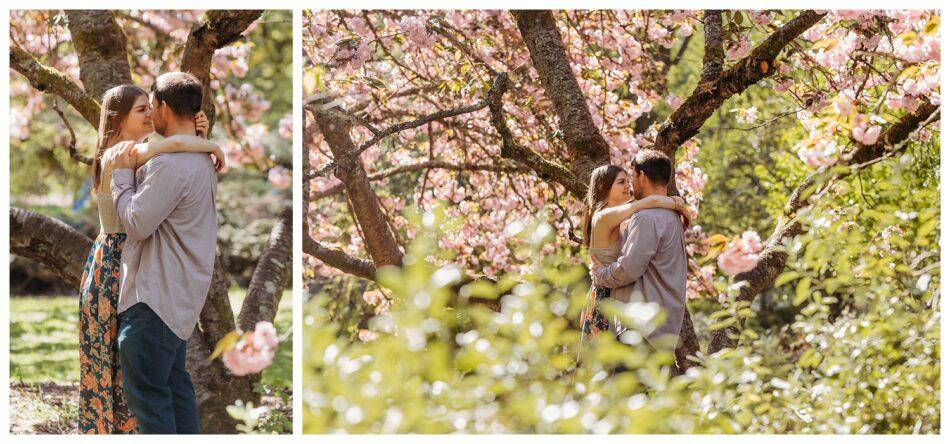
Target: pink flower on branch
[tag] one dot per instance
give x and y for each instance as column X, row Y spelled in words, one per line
column 741, row 254
column 864, row 132
column 249, row 352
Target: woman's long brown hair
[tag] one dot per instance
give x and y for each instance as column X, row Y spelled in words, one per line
column 601, row 180
column 117, row 102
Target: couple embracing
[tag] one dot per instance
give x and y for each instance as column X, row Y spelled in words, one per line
column 149, row 271
column 636, row 245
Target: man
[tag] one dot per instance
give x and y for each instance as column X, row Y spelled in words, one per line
column 168, row 209
column 652, row 262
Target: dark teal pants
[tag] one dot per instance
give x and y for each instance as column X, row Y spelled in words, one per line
column 157, row 386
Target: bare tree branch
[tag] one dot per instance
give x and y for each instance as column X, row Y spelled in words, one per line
column 511, row 149
column 328, row 109
column 72, row 137
column 435, row 164
column 339, row 259
column 378, row 236
column 271, row 275
column 51, row 81
column 50, row 242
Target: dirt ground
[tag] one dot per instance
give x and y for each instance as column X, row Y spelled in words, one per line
column 51, row 408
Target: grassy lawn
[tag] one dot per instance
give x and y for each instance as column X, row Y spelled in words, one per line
column 44, row 339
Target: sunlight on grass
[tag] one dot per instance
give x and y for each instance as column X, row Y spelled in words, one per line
column 44, row 339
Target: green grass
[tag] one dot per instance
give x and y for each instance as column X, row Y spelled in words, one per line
column 44, row 339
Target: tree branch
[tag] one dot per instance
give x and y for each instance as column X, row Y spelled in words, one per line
column 271, row 275
column 714, row 55
column 216, row 29
column 510, row 149
column 57, row 246
column 51, row 81
column 435, row 164
column 708, row 96
column 338, row 259
column 321, row 104
column 101, row 47
column 586, row 145
column 772, row 259
column 378, row 236
column 73, row 152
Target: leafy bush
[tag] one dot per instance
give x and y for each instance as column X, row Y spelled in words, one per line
column 861, row 356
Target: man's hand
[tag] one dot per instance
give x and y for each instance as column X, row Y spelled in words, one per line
column 201, row 124
column 124, row 155
column 595, row 269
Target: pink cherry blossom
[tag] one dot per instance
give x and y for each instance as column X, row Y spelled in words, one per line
column 865, row 133
column 740, row 255
column 286, row 126
column 279, row 177
column 265, row 335
column 746, row 115
column 739, row 49
column 750, row 242
column 818, row 153
column 253, row 352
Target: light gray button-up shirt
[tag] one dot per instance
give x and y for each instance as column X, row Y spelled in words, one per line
column 168, row 211
column 651, row 268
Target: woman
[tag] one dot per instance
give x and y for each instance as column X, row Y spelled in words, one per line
column 126, row 117
column 608, row 205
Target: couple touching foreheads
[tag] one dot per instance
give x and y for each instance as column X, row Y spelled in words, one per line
column 636, row 246
column 147, row 276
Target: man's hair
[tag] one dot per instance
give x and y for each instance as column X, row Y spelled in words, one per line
column 180, row 91
column 656, row 165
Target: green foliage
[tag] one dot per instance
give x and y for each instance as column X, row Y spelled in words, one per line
column 247, row 206
column 271, row 64
column 444, row 364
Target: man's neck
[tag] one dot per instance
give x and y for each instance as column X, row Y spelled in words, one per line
column 654, row 191
column 180, row 127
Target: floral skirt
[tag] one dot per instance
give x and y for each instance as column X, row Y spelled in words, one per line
column 102, row 406
column 592, row 319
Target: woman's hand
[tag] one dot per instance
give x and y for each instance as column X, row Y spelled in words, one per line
column 123, row 155
column 683, row 210
column 201, row 125
column 217, row 156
